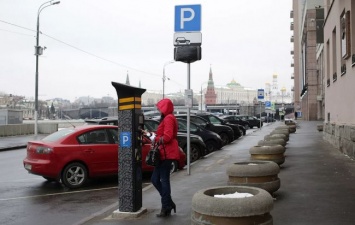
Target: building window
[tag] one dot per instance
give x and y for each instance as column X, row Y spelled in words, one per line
column 328, row 63
column 345, row 34
column 334, row 55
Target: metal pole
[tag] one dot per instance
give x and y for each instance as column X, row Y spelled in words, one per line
column 36, row 80
column 164, row 77
column 260, row 116
column 201, row 97
column 163, row 80
column 37, row 53
column 188, row 122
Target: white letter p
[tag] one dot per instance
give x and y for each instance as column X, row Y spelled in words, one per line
column 183, row 19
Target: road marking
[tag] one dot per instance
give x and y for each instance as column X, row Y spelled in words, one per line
column 54, row 194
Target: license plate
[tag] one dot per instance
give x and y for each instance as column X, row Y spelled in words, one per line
column 28, row 166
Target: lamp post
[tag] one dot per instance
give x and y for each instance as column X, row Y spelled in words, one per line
column 164, row 77
column 39, row 51
column 201, row 98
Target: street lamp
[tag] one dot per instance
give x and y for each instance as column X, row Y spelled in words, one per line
column 39, row 51
column 164, row 77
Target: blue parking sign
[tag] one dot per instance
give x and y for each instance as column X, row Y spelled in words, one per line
column 187, row 18
column 125, row 139
column 260, row 94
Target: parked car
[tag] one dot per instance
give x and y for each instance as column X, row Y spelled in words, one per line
column 266, row 119
column 212, row 140
column 236, row 120
column 197, row 145
column 226, row 133
column 216, row 120
column 253, row 121
column 73, row 155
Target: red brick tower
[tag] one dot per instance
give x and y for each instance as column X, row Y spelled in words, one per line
column 210, row 96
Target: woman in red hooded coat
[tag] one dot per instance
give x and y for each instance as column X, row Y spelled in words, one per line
column 169, row 151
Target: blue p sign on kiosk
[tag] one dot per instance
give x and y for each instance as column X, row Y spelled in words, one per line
column 125, row 139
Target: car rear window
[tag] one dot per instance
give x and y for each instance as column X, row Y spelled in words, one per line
column 58, row 135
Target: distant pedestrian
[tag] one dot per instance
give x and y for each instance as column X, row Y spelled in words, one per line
column 295, row 115
column 169, row 151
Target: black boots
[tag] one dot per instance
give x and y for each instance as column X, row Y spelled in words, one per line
column 173, row 206
column 164, row 213
column 167, row 212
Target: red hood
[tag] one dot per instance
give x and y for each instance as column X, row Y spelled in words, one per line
column 165, row 106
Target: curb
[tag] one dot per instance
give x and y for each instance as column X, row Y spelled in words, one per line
column 2, row 149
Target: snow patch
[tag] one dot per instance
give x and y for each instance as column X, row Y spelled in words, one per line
column 234, row 195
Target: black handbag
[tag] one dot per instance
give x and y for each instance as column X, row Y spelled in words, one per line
column 153, row 156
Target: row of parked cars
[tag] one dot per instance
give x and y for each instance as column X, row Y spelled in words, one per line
column 73, row 155
column 215, row 131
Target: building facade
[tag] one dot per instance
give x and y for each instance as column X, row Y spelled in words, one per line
column 307, row 26
column 339, row 74
column 324, row 72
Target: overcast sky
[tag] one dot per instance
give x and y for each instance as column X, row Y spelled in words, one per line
column 90, row 43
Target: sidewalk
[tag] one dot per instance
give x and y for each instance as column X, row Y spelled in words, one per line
column 317, row 183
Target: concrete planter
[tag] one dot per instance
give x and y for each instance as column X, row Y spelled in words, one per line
column 281, row 131
column 260, row 174
column 207, row 209
column 281, row 127
column 292, row 128
column 270, row 153
column 290, row 122
column 278, row 141
column 320, row 127
column 276, row 136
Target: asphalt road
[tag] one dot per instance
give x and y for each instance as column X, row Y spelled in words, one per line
column 31, row 200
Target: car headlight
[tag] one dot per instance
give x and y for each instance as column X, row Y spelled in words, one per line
column 43, row 150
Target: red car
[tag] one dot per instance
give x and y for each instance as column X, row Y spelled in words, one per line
column 74, row 155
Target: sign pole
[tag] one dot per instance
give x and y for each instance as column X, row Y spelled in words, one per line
column 187, row 42
column 188, row 124
column 260, row 115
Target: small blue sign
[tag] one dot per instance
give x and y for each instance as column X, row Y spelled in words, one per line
column 268, row 104
column 260, row 94
column 125, row 139
column 187, row 18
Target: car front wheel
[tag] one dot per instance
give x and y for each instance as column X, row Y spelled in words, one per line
column 211, row 146
column 74, row 175
column 174, row 167
column 224, row 138
column 195, row 152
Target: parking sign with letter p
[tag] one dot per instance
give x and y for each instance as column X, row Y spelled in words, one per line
column 187, row 18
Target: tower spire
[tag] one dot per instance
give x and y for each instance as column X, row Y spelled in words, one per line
column 127, row 79
column 210, row 96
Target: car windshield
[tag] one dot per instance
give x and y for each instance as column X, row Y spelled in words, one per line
column 182, row 126
column 214, row 120
column 199, row 121
column 58, row 135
